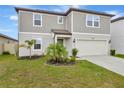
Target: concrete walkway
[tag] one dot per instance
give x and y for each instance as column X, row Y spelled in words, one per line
column 111, row 63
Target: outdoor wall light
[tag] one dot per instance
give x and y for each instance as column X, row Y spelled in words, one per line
column 109, row 41
column 74, row 40
column 93, row 38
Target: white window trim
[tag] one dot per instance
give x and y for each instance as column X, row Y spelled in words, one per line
column 58, row 19
column 98, row 21
column 92, row 21
column 40, row 20
column 40, row 43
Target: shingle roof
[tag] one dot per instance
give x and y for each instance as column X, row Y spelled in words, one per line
column 38, row 11
column 5, row 36
column 61, row 13
column 117, row 19
column 89, row 11
column 61, row 31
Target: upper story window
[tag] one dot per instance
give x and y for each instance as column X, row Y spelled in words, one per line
column 37, row 19
column 60, row 20
column 92, row 21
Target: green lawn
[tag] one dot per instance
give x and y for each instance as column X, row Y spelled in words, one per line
column 120, row 55
column 35, row 73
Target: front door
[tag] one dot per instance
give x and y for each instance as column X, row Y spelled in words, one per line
column 60, row 41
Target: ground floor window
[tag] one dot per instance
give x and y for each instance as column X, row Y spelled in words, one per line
column 37, row 45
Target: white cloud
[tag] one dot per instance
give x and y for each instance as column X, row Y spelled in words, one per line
column 118, row 15
column 16, row 24
column 24, row 6
column 13, row 17
column 75, row 6
column 5, row 30
column 61, row 8
column 64, row 8
column 114, row 12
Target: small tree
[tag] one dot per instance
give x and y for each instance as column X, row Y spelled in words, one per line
column 28, row 45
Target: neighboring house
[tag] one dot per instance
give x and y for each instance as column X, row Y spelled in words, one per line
column 86, row 30
column 117, row 35
column 7, row 44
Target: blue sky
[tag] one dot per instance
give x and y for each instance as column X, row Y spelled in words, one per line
column 9, row 19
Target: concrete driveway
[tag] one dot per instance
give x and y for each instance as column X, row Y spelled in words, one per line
column 111, row 63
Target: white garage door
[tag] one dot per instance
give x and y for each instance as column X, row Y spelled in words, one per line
column 92, row 47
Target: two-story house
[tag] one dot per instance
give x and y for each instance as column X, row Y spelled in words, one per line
column 88, row 31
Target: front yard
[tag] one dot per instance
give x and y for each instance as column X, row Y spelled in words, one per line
column 119, row 55
column 35, row 73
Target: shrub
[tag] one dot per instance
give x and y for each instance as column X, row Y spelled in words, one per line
column 57, row 53
column 6, row 53
column 67, row 60
column 74, row 52
column 112, row 52
column 73, row 59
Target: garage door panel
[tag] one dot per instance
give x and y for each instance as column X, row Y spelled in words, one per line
column 91, row 47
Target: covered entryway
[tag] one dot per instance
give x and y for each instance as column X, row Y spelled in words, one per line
column 91, row 47
column 63, row 37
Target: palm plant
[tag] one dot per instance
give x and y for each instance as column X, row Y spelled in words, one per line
column 28, row 45
column 57, row 52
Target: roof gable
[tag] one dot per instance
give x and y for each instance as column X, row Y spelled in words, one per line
column 5, row 36
column 63, row 14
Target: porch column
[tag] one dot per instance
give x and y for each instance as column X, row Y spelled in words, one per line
column 55, row 39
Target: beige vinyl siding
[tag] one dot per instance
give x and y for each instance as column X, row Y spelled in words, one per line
column 68, row 24
column 79, row 24
column 46, row 40
column 48, row 22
